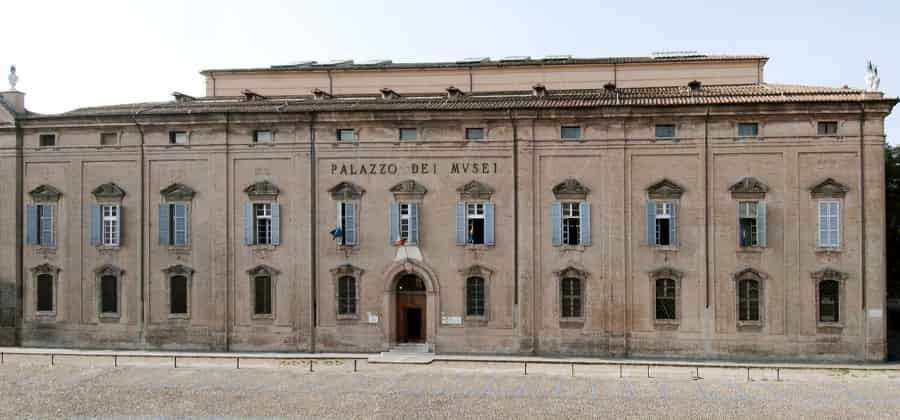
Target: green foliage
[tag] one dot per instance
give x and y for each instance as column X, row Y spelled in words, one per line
column 892, row 210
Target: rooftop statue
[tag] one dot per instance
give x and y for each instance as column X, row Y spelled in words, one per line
column 13, row 78
column 872, row 79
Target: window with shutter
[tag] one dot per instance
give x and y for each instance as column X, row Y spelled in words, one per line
column 571, row 223
column 748, row 223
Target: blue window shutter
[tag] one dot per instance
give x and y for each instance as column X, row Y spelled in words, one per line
column 31, row 224
column 651, row 223
column 585, row 223
column 120, row 227
column 461, row 223
column 163, row 220
column 95, row 224
column 761, row 223
column 556, row 223
column 276, row 224
column 673, row 231
column 413, row 223
column 350, row 228
column 489, row 224
column 248, row 224
column 393, row 222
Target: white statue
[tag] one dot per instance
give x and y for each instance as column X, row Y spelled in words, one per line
column 12, row 78
column 872, row 79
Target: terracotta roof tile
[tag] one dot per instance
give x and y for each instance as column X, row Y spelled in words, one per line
column 560, row 99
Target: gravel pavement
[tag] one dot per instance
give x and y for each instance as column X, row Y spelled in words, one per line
column 156, row 392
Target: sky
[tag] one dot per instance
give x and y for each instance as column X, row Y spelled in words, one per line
column 71, row 54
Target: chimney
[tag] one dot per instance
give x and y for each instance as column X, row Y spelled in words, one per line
column 13, row 99
column 319, row 94
column 539, row 90
column 454, row 92
column 694, row 85
column 388, row 93
column 250, row 95
column 182, row 97
column 609, row 87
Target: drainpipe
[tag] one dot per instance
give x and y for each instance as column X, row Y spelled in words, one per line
column 706, row 201
column 20, row 258
column 862, row 207
column 143, row 204
column 229, row 236
column 515, row 150
column 312, row 228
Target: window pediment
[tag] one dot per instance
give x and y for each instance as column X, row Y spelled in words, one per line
column 178, row 269
column 570, row 189
column 45, row 193
column 829, row 188
column 346, row 191
column 477, row 270
column 665, row 189
column 749, row 187
column 347, row 270
column 572, row 271
column 750, row 273
column 409, row 189
column 262, row 270
column 262, row 190
column 108, row 191
column 829, row 273
column 177, row 192
column 109, row 270
column 45, row 268
column 666, row 272
column 475, row 190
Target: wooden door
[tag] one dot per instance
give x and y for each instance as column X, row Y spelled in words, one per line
column 411, row 316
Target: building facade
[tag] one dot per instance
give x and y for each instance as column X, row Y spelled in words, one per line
column 674, row 206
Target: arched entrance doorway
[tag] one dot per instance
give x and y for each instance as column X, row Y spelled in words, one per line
column 411, row 305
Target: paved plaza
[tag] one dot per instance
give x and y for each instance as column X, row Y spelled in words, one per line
column 391, row 391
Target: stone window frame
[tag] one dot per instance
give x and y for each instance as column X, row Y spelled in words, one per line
column 487, row 274
column 570, row 190
column 582, row 276
column 170, row 137
column 173, row 271
column 675, row 130
column 660, row 273
column 477, row 192
column 254, row 135
column 484, row 133
column 178, row 193
column 53, row 272
column 830, row 274
column 737, row 129
column 830, row 190
column 263, row 270
column 411, row 191
column 750, row 189
column 118, row 135
column 666, row 190
column 761, row 278
column 578, row 125
column 346, row 191
column 347, row 270
column 262, row 192
column 47, row 195
column 99, row 273
column 55, row 135
column 110, row 194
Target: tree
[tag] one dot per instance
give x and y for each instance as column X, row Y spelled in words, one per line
column 892, row 218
